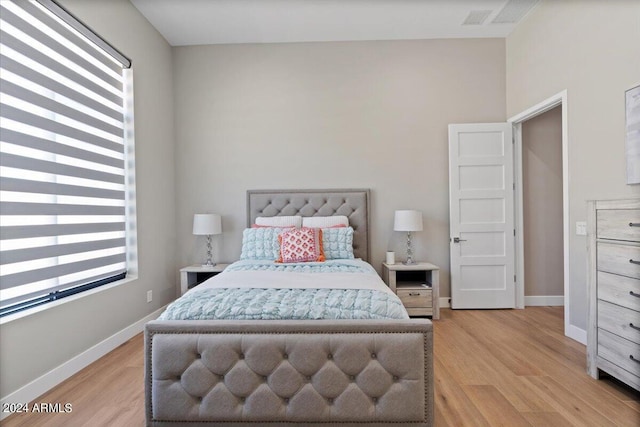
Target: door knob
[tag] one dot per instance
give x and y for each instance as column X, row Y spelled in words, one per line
column 458, row 240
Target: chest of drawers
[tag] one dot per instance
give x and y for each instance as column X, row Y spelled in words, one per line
column 613, row 335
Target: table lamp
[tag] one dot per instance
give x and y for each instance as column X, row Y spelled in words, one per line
column 408, row 220
column 207, row 225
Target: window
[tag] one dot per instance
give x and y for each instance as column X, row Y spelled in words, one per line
column 64, row 165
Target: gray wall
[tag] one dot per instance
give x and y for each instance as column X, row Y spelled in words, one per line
column 542, row 204
column 329, row 115
column 36, row 344
column 591, row 49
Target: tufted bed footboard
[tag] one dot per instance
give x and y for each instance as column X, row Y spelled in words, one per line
column 317, row 372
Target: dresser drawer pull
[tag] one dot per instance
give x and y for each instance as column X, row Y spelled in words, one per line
column 631, row 325
column 414, row 294
column 634, row 224
column 633, row 358
column 633, row 261
column 633, row 294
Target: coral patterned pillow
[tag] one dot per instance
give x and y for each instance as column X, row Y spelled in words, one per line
column 301, row 245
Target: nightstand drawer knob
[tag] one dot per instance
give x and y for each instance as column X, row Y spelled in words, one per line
column 414, row 294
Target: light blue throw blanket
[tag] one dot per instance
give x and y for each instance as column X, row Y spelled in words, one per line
column 288, row 304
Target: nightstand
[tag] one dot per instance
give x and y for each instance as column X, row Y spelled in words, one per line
column 417, row 285
column 193, row 275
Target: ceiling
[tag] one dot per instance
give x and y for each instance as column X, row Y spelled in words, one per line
column 195, row 22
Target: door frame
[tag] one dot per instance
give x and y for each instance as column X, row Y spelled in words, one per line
column 559, row 99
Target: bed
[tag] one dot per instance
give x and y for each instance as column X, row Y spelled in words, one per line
column 301, row 366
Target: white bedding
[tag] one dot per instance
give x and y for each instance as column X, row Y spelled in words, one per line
column 366, row 278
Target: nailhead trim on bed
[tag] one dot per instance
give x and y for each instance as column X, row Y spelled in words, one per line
column 370, row 385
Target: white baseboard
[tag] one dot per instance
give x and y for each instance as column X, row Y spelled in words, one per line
column 544, row 300
column 549, row 300
column 46, row 382
column 576, row 333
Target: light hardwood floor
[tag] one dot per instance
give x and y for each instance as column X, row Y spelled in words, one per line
column 492, row 368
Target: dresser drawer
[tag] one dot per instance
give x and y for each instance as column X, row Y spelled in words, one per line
column 620, row 290
column 415, row 298
column 619, row 320
column 614, row 224
column 616, row 258
column 619, row 351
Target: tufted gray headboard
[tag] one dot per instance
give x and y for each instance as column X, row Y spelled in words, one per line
column 353, row 203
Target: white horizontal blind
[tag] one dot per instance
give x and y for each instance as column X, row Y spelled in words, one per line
column 62, row 171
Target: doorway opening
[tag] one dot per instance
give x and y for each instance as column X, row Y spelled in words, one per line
column 542, row 209
column 558, row 100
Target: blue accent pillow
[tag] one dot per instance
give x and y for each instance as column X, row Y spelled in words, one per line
column 337, row 243
column 261, row 243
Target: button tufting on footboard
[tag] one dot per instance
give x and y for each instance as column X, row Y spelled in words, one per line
column 305, row 377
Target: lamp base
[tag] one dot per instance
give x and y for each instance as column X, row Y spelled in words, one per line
column 209, row 262
column 409, row 260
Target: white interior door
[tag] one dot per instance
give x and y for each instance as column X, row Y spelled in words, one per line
column 481, row 206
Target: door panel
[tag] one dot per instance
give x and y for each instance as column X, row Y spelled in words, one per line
column 481, row 215
column 481, row 177
column 486, row 243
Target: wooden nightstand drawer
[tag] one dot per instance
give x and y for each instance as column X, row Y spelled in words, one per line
column 412, row 298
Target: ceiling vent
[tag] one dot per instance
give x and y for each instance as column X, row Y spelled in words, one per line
column 513, row 11
column 477, row 17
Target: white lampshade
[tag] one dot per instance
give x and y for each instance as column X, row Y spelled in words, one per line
column 207, row 224
column 408, row 221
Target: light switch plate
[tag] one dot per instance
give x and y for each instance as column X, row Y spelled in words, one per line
column 581, row 228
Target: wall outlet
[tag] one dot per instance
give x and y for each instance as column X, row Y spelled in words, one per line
column 581, row 228
column 149, row 296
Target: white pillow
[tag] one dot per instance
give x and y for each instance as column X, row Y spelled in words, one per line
column 325, row 221
column 279, row 221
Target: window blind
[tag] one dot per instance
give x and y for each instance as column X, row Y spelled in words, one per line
column 62, row 158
